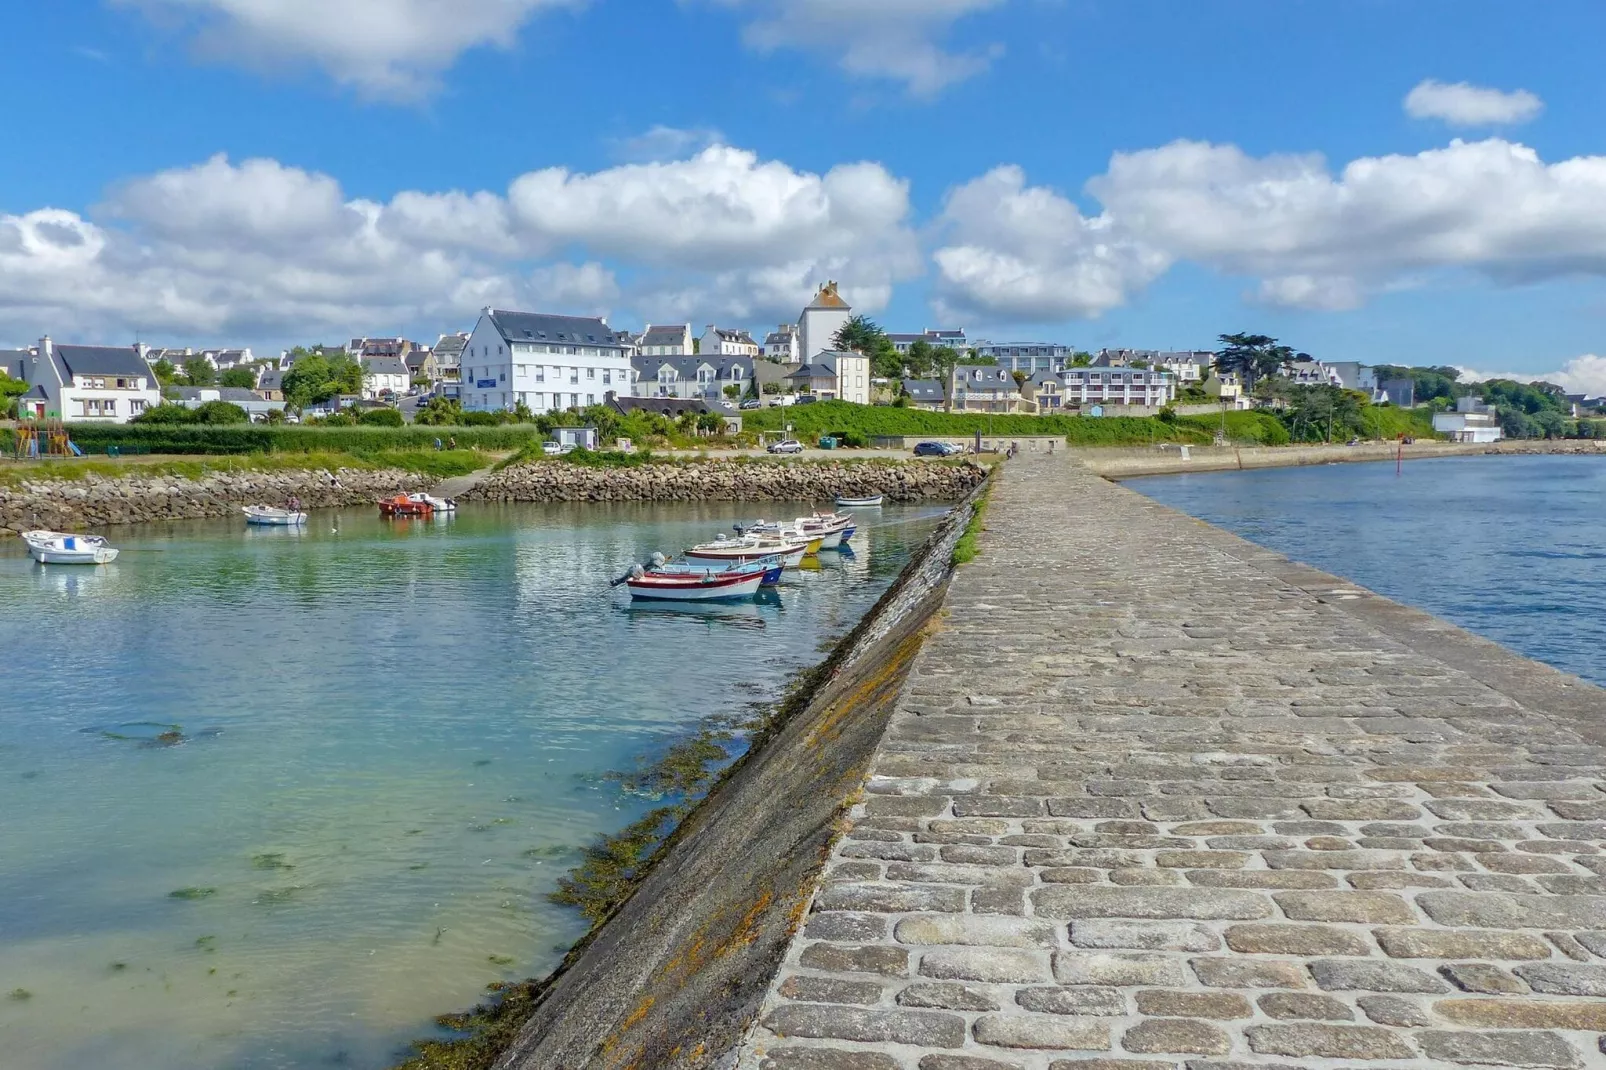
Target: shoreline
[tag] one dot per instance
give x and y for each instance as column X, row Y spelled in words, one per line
column 1117, row 463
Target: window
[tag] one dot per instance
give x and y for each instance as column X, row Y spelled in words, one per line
column 574, row 401
column 524, row 369
column 607, row 376
column 574, row 375
column 591, row 373
column 591, row 399
column 499, row 350
column 501, row 377
column 109, row 407
column 540, row 373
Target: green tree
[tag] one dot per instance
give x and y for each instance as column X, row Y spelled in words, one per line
column 921, row 359
column 1081, row 359
column 240, row 378
column 199, row 372
column 308, row 380
column 858, row 335
column 380, row 418
column 943, row 359
column 166, row 374
column 1252, row 356
column 219, row 412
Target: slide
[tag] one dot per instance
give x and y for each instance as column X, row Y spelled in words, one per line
column 76, row 452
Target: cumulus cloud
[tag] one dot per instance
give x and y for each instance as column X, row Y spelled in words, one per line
column 1581, row 375
column 900, row 40
column 1309, row 237
column 258, row 248
column 384, row 48
column 1026, row 253
column 1464, row 104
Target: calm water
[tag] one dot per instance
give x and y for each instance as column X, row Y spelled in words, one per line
column 394, row 737
column 1513, row 548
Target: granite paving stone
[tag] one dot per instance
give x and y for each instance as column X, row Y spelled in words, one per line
column 1153, row 797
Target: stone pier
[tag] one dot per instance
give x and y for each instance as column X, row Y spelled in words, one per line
column 1153, row 797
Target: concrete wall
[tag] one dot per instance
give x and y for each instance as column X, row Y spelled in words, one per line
column 674, row 979
column 1168, row 459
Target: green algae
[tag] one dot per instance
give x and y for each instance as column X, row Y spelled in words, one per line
column 192, row 893
column 484, row 1032
column 21, row 994
column 270, row 861
column 500, row 960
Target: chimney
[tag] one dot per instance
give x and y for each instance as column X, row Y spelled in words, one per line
column 47, row 348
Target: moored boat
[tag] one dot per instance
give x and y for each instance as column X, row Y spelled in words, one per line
column 439, row 505
column 269, row 516
column 404, row 505
column 750, row 548
column 772, row 567
column 869, row 501
column 62, row 548
column 827, row 530
column 695, row 587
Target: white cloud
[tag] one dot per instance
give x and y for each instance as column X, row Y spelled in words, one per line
column 257, row 249
column 1026, row 253
column 665, row 143
column 1464, row 104
column 1311, row 238
column 898, row 40
column 1581, row 375
column 384, row 48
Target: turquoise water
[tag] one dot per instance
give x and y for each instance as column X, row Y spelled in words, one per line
column 1513, row 548
column 392, row 740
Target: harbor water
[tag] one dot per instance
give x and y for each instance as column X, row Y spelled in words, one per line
column 1512, row 548
column 274, row 799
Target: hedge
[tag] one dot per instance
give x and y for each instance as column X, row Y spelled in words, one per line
column 871, row 421
column 270, row 438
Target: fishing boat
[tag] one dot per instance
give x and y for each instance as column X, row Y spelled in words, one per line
column 828, row 530
column 268, row 516
column 740, row 582
column 403, row 505
column 60, row 548
column 660, row 564
column 869, row 501
column 439, row 505
column 750, row 548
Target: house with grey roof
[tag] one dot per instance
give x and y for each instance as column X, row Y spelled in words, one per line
column 924, row 394
column 270, row 384
column 385, row 377
column 109, row 384
column 692, row 376
column 727, row 342
column 784, row 344
column 549, row 363
column 672, row 340
column 256, row 407
column 833, row 375
column 984, row 388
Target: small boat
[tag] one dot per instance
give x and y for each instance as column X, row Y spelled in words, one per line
column 695, row 587
column 871, row 501
column 60, row 548
column 750, row 548
column 404, row 505
column 827, row 529
column 268, row 516
column 660, row 565
column 439, row 505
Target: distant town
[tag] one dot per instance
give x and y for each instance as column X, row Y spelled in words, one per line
column 528, row 364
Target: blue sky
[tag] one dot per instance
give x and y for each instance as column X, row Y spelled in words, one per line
column 1139, row 173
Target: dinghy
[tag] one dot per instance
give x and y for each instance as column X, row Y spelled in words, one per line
column 740, row 582
column 872, row 501
column 750, row 548
column 60, row 548
column 268, row 516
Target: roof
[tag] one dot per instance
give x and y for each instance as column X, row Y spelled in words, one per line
column 234, row 394
column 666, row 336
column 271, row 379
column 416, row 357
column 451, row 344
column 822, row 366
column 923, row 389
column 539, row 327
column 14, row 363
column 686, row 365
column 665, row 406
column 384, row 366
column 829, row 298
column 987, row 375
column 780, row 338
column 102, row 360
column 734, row 334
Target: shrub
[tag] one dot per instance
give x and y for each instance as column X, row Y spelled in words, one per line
column 288, row 438
column 219, row 412
column 381, row 418
column 164, row 413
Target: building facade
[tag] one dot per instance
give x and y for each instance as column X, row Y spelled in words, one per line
column 1028, row 357
column 984, row 388
column 673, row 340
column 1152, row 387
column 834, row 375
column 727, row 342
column 784, row 344
column 109, row 384
column 1472, row 421
column 710, row 377
column 817, row 327
column 936, row 339
column 385, row 377
column 550, row 363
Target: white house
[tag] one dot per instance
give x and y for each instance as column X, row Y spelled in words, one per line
column 783, row 344
column 984, row 388
column 1188, row 367
column 835, row 375
column 936, row 339
column 827, row 314
column 1472, row 421
column 690, row 377
column 550, row 363
column 1105, row 385
column 112, row 384
column 1312, row 373
column 384, row 376
column 726, row 342
column 673, row 340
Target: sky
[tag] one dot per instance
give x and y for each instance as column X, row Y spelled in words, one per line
column 1391, row 181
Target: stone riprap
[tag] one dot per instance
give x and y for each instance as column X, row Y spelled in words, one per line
column 730, row 480
column 98, row 501
column 1154, row 797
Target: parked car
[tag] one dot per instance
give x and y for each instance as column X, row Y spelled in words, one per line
column 935, row 449
column 786, row 445
column 806, row 399
column 556, row 449
column 752, row 403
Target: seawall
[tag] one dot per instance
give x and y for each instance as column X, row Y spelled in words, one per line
column 1123, row 463
column 676, row 976
column 1155, row 797
column 96, row 501
column 730, row 480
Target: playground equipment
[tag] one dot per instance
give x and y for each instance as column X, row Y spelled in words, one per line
column 45, row 438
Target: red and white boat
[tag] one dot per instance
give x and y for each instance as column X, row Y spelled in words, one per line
column 693, row 587
column 751, row 548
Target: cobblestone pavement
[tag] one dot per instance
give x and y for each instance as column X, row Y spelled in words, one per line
column 1144, row 804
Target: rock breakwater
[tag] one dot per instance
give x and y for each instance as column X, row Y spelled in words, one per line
column 96, row 501
column 722, row 480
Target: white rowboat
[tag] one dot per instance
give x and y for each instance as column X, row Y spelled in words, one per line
column 872, row 501
column 59, row 548
column 750, row 548
column 705, row 587
column 268, row 516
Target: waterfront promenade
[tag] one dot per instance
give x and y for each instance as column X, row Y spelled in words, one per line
column 1154, row 797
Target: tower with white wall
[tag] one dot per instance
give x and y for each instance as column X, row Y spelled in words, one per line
column 818, row 325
